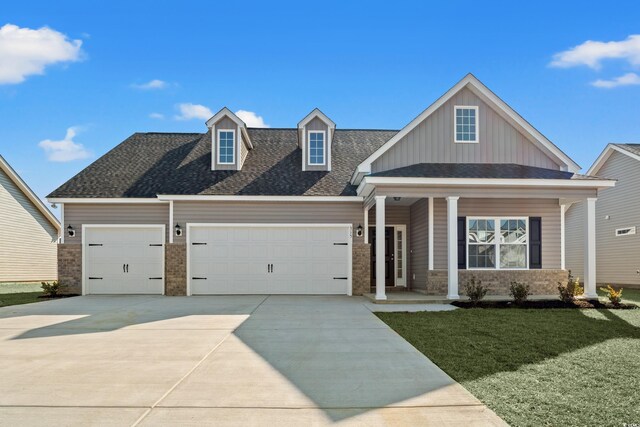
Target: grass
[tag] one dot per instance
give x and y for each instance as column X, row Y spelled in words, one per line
column 19, row 298
column 627, row 293
column 537, row 367
column 18, row 287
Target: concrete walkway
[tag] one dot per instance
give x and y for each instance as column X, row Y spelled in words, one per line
column 233, row 360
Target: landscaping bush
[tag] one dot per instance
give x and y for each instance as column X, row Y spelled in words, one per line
column 50, row 289
column 519, row 292
column 475, row 291
column 571, row 290
column 614, row 296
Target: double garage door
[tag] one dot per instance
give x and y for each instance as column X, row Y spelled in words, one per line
column 269, row 259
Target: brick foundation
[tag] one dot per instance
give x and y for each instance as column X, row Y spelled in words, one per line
column 541, row 282
column 70, row 268
column 175, row 269
column 361, row 269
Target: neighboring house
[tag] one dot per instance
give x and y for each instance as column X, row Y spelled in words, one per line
column 30, row 232
column 468, row 188
column 617, row 220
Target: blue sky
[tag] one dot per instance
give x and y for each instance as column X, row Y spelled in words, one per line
column 365, row 64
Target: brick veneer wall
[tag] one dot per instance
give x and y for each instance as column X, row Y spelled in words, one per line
column 175, row 269
column 541, row 282
column 70, row 268
column 361, row 268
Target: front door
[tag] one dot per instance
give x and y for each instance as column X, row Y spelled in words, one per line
column 389, row 254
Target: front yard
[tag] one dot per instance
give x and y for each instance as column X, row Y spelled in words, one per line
column 19, row 293
column 537, row 367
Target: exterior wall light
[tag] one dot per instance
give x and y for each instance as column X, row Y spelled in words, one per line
column 178, row 230
column 359, row 231
column 70, row 231
column 397, row 199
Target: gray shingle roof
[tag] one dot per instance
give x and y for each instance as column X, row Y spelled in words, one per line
column 632, row 148
column 478, row 170
column 147, row 164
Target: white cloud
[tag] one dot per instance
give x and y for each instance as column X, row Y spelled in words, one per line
column 157, row 116
column 592, row 53
column 150, row 85
column 65, row 150
column 251, row 119
column 629, row 79
column 190, row 111
column 24, row 51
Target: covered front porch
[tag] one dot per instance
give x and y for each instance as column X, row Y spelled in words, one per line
column 437, row 235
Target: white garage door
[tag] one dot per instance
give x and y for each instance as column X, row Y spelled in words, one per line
column 124, row 260
column 269, row 259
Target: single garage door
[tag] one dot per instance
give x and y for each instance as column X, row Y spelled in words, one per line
column 269, row 259
column 123, row 260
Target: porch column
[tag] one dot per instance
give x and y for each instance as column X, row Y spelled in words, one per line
column 590, row 249
column 563, row 209
column 452, row 246
column 430, row 235
column 380, row 246
column 366, row 225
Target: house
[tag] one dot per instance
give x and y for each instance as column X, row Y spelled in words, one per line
column 617, row 220
column 30, row 232
column 466, row 189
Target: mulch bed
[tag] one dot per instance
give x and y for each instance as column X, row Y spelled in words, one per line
column 57, row 296
column 545, row 304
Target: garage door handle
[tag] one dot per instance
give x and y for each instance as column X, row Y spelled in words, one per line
column 155, row 244
column 341, row 244
column 198, row 278
column 340, row 278
column 95, row 278
column 197, row 243
column 95, row 244
column 124, row 270
column 155, row 278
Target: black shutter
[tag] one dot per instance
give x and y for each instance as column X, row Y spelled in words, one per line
column 462, row 243
column 535, row 242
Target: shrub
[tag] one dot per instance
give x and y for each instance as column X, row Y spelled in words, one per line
column 50, row 289
column 614, row 296
column 571, row 290
column 475, row 291
column 519, row 291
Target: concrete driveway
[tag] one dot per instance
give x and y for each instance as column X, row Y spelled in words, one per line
column 232, row 360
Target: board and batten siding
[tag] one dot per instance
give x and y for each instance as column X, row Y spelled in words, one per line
column 432, row 141
column 617, row 257
column 419, row 243
column 268, row 213
column 28, row 249
column 548, row 209
column 118, row 214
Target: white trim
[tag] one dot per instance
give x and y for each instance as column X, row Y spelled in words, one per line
column 313, row 114
column 632, row 231
column 225, row 198
column 171, row 231
column 214, row 150
column 590, row 248
column 430, row 235
column 452, row 247
column 604, row 156
column 324, row 148
column 304, row 149
column 86, row 226
column 497, row 243
column 366, row 226
column 62, row 230
column 402, row 228
column 476, row 86
column 455, row 123
column 106, row 200
column 563, row 210
column 349, row 227
column 218, row 132
column 27, row 191
column 379, row 266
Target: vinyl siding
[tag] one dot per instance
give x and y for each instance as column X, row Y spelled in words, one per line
column 419, row 247
column 548, row 209
column 268, row 212
column 618, row 258
column 317, row 124
column 432, row 141
column 28, row 245
column 132, row 213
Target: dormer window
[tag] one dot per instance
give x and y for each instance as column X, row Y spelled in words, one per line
column 226, row 147
column 466, row 124
column 316, row 147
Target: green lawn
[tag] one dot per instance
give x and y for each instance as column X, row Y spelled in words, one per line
column 627, row 293
column 555, row 367
column 19, row 298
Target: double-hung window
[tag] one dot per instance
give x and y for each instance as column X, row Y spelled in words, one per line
column 226, row 147
column 316, row 147
column 497, row 243
column 466, row 124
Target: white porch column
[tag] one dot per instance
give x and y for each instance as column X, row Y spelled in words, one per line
column 430, row 235
column 590, row 249
column 563, row 209
column 366, row 225
column 452, row 246
column 380, row 247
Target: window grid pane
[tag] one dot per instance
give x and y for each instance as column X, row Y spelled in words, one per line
column 508, row 246
column 466, row 124
column 316, row 148
column 226, row 149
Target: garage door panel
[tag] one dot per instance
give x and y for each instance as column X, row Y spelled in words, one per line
column 235, row 260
